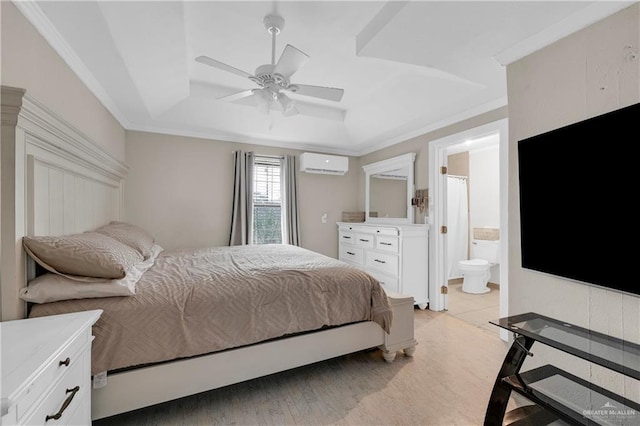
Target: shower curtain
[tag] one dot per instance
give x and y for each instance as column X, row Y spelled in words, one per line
column 457, row 223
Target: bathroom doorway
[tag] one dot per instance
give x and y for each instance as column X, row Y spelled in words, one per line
column 463, row 216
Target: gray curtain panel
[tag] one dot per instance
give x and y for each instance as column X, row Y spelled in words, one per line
column 241, row 215
column 292, row 212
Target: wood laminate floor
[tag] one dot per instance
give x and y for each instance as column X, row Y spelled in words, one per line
column 475, row 309
column 447, row 382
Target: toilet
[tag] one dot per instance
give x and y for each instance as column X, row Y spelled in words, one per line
column 477, row 270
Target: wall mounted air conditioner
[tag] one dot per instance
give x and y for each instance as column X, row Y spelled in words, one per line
column 322, row 163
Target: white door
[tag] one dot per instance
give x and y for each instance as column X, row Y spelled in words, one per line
column 438, row 272
column 438, row 214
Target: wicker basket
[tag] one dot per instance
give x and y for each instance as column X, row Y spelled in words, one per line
column 353, row 216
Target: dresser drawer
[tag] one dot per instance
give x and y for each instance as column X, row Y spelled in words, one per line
column 387, row 282
column 72, row 389
column 82, row 416
column 381, row 230
column 387, row 263
column 352, row 254
column 347, row 237
column 52, row 372
column 387, row 243
column 364, row 240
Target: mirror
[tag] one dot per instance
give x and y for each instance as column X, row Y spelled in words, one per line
column 388, row 190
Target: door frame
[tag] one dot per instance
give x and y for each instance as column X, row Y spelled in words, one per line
column 438, row 212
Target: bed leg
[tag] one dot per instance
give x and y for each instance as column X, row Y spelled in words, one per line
column 409, row 351
column 388, row 356
column 400, row 337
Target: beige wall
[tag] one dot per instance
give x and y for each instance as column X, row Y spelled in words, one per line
column 458, row 164
column 585, row 74
column 420, row 145
column 29, row 62
column 181, row 189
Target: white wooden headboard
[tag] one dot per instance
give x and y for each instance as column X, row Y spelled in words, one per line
column 55, row 181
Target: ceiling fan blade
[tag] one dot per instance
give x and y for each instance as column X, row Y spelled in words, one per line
column 236, row 96
column 217, row 64
column 290, row 61
column 328, row 93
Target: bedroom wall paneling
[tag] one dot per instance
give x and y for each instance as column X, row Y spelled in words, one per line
column 55, row 180
column 585, row 74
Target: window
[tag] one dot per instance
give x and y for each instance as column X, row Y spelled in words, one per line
column 267, row 201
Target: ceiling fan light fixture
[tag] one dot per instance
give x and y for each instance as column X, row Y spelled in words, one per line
column 286, row 102
column 264, row 98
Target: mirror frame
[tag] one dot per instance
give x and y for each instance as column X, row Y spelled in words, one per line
column 401, row 161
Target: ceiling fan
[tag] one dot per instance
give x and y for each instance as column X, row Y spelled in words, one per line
column 274, row 78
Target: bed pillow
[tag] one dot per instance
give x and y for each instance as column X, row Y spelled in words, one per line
column 89, row 254
column 131, row 235
column 52, row 287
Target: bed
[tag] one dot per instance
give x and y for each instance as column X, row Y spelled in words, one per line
column 66, row 184
column 194, row 302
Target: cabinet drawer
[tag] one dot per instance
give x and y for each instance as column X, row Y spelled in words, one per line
column 381, row 230
column 364, row 240
column 387, row 263
column 347, row 237
column 352, row 254
column 53, row 371
column 64, row 390
column 387, row 243
column 82, row 416
column 387, row 282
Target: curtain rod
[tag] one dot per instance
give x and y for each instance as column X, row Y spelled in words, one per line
column 281, row 157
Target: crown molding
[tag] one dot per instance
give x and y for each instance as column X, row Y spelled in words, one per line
column 573, row 23
column 34, row 14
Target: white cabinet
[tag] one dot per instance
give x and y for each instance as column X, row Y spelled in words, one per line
column 396, row 255
column 46, row 369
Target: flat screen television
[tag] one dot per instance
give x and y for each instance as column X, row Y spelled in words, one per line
column 578, row 197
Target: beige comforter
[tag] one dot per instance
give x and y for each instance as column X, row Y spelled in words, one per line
column 193, row 302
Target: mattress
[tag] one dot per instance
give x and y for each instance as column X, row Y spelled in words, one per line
column 194, row 302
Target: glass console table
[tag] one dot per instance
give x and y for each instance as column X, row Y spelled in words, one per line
column 559, row 396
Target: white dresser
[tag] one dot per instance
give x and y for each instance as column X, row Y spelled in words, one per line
column 396, row 255
column 46, row 369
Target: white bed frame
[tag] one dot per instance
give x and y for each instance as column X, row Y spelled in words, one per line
column 57, row 181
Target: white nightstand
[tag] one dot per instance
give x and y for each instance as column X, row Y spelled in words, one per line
column 46, row 369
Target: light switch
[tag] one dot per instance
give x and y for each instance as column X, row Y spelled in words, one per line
column 324, row 218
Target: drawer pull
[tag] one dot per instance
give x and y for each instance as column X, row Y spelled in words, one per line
column 364, row 241
column 351, row 253
column 385, row 244
column 346, row 238
column 65, row 404
column 379, row 261
column 66, row 362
